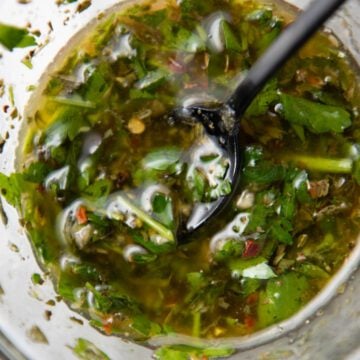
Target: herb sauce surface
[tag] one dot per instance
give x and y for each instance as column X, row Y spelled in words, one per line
column 107, row 178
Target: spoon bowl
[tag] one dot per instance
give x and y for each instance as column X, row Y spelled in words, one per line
column 220, row 127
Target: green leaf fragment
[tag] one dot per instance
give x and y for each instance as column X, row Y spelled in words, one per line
column 252, row 155
column 208, row 182
column 283, row 297
column 100, row 189
column 54, row 86
column 230, row 39
column 96, row 86
column 329, row 98
column 280, row 230
column 150, row 245
column 197, row 185
column 139, row 67
column 263, row 173
column 145, row 327
column 194, row 44
column 153, row 19
column 317, row 118
column 237, row 266
column 208, row 158
column 268, row 37
column 222, row 189
column 143, row 258
column 263, row 16
column 27, row 62
column 59, row 179
column 300, row 184
column 232, row 248
column 13, row 37
column 68, row 123
column 312, row 271
column 261, row 271
column 12, row 187
column 37, row 279
column 258, row 170
column 356, row 171
column 141, row 94
column 163, row 209
column 37, row 172
column 185, row 40
column 327, row 244
column 299, row 131
column 258, row 217
column 185, row 352
column 213, row 353
column 159, row 203
column 101, row 224
column 288, row 204
column 151, row 80
column 169, row 353
column 65, row 286
column 249, row 286
column 188, row 7
column 110, row 301
column 163, row 159
column 268, row 95
column 86, row 350
column 86, row 271
column 196, row 280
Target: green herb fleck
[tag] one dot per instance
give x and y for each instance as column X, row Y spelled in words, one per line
column 185, row 352
column 86, row 350
column 317, row 118
column 13, row 37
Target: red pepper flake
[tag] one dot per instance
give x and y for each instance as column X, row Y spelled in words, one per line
column 107, row 326
column 81, row 216
column 252, row 298
column 249, row 322
column 251, row 248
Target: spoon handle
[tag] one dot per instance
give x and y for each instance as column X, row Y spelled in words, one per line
column 290, row 40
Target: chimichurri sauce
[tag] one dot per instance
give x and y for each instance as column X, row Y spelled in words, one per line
column 107, row 178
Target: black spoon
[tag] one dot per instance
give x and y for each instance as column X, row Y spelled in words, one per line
column 223, row 122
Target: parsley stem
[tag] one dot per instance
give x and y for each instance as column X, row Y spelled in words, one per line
column 196, row 324
column 339, row 166
column 146, row 218
column 73, row 102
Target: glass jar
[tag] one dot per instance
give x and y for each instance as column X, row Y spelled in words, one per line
column 327, row 328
